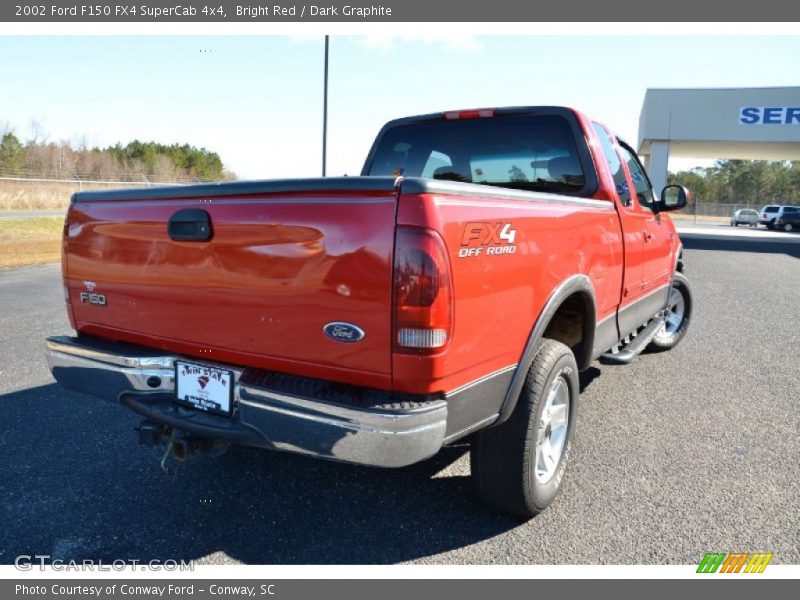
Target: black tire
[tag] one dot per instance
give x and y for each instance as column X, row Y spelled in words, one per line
column 666, row 340
column 788, row 227
column 503, row 459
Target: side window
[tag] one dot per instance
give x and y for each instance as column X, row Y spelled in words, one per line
column 614, row 163
column 644, row 192
column 395, row 161
column 435, row 161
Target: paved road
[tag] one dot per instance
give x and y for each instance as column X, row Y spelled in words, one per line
column 676, row 454
column 715, row 230
column 30, row 214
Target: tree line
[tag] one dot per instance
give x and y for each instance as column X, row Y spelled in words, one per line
column 751, row 182
column 134, row 161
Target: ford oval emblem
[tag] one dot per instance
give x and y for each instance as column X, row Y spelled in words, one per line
column 343, row 332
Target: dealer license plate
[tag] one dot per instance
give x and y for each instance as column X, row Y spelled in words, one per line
column 205, row 388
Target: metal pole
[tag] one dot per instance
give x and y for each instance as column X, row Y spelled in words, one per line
column 325, row 112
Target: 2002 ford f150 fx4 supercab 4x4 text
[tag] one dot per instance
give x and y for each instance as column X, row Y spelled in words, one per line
column 455, row 289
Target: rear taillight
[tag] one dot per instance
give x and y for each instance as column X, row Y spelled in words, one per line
column 423, row 296
column 64, row 272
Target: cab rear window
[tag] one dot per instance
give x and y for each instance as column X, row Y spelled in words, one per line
column 528, row 152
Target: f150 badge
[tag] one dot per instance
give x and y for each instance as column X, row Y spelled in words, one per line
column 347, row 333
column 484, row 238
column 92, row 297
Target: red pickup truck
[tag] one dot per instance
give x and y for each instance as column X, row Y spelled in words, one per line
column 455, row 289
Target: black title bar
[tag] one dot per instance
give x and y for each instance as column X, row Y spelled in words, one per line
column 399, row 11
column 733, row 588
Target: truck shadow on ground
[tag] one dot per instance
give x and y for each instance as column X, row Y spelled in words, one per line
column 77, row 485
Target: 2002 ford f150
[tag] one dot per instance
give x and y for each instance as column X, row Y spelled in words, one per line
column 455, row 289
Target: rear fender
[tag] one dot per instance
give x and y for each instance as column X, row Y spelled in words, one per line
column 580, row 284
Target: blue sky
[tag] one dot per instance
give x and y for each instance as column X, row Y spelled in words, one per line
column 257, row 101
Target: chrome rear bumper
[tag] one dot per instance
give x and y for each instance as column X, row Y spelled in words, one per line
column 143, row 379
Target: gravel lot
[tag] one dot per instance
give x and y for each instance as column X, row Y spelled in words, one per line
column 676, row 454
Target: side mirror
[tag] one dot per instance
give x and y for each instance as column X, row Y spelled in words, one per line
column 674, row 197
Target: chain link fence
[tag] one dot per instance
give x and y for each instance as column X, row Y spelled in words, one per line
column 130, row 176
column 711, row 212
column 43, row 193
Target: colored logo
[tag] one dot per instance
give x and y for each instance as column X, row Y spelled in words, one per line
column 343, row 332
column 203, row 381
column 735, row 562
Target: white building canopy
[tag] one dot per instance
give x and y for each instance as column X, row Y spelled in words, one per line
column 732, row 123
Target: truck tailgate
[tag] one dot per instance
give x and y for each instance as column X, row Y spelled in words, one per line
column 285, row 259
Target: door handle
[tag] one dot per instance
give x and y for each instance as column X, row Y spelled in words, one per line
column 648, row 236
column 190, row 225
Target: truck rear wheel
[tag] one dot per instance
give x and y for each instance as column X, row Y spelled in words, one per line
column 518, row 466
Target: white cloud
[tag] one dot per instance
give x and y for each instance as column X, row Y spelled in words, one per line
column 305, row 39
column 452, row 43
column 388, row 43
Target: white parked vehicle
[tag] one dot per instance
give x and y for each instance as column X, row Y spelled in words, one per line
column 745, row 216
column 768, row 213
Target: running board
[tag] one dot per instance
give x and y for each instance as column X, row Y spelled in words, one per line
column 637, row 345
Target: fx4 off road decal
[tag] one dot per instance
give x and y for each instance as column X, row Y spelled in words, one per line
column 487, row 239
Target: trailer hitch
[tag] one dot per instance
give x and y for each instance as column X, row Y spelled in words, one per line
column 180, row 446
